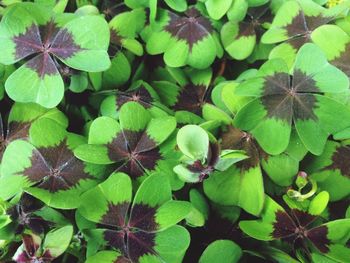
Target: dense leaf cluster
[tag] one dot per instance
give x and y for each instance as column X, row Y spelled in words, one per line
column 169, row 131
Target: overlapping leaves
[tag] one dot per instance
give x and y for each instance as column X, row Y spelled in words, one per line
column 294, row 25
column 137, row 143
column 20, row 120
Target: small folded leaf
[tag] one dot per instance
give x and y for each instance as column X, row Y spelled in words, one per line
column 193, row 141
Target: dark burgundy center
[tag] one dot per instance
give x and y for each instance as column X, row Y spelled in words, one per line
column 46, row 42
column 192, row 28
column 56, row 168
column 300, row 232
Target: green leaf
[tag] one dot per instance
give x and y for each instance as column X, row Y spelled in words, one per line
column 104, row 257
column 117, row 189
column 239, row 39
column 46, row 90
column 57, row 241
column 103, row 130
column 93, row 153
column 318, row 203
column 225, row 251
column 262, row 229
column 217, row 8
column 154, row 191
column 92, row 34
column 172, row 244
column 159, row 129
column 177, row 5
column 133, row 117
column 200, row 209
column 229, row 157
column 16, row 158
column 119, row 72
column 129, row 24
column 79, row 82
column 193, row 141
column 179, row 48
column 210, row 112
column 249, row 193
column 171, row 213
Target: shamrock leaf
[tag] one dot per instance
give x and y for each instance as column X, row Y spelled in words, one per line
column 21, row 118
column 239, row 38
column 184, row 40
column 143, row 229
column 46, row 167
column 49, row 42
column 294, row 24
column 137, row 143
column 282, row 101
column 33, row 250
column 297, row 227
column 331, row 170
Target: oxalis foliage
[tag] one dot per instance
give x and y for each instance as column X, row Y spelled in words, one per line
column 169, row 131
